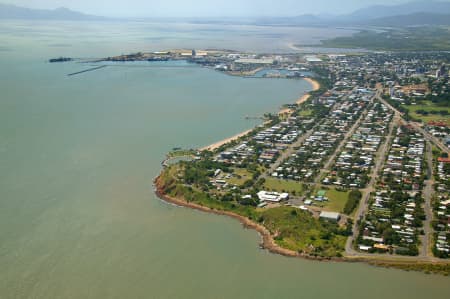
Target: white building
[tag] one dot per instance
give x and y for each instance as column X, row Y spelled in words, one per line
column 330, row 216
column 272, row 196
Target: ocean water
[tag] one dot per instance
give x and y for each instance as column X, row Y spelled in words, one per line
column 78, row 216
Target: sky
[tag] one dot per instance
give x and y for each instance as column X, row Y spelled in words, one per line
column 204, row 8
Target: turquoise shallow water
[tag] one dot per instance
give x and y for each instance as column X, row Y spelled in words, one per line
column 78, row 217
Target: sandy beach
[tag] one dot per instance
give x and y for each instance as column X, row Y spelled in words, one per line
column 305, row 97
column 314, row 83
column 267, row 239
column 302, row 99
column 285, row 111
column 218, row 144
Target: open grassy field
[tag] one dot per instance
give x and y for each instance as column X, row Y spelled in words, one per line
column 277, row 185
column 428, row 106
column 336, row 200
column 305, row 112
column 240, row 176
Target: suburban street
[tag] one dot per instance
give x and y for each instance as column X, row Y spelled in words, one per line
column 362, row 208
column 418, row 127
column 288, row 152
column 428, row 193
column 331, row 159
column 291, row 149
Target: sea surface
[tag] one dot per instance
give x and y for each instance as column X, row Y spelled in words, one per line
column 78, row 216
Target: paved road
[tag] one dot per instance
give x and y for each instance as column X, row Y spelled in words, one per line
column 331, row 159
column 428, row 189
column 428, row 193
column 419, row 128
column 363, row 206
column 288, row 152
column 430, row 137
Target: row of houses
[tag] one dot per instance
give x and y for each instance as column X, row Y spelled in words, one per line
column 265, row 144
column 310, row 157
column 441, row 208
column 404, row 162
column 236, row 155
column 395, row 217
column 354, row 163
column 277, row 138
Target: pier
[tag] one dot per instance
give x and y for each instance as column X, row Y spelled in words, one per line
column 249, row 117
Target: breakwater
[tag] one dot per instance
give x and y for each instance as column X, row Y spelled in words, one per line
column 87, row 70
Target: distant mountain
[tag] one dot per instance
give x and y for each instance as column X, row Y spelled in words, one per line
column 409, row 14
column 382, row 11
column 414, row 19
column 8, row 11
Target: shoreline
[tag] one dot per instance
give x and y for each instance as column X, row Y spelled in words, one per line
column 267, row 240
column 315, row 86
column 218, row 144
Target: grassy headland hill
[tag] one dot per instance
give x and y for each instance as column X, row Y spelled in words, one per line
column 290, row 228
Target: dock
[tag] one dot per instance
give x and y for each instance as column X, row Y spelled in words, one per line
column 249, row 117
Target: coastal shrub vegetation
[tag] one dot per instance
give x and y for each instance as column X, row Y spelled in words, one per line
column 297, row 230
column 292, row 228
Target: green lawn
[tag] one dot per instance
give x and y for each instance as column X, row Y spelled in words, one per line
column 305, row 112
column 240, row 176
column 283, row 185
column 336, row 200
column 428, row 106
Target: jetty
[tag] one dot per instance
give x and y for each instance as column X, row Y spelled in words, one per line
column 249, row 117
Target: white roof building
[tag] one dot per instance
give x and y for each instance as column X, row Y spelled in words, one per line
column 330, row 216
column 254, row 61
column 272, row 196
column 312, row 58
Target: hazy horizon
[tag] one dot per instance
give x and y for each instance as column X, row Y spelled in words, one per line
column 204, row 8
